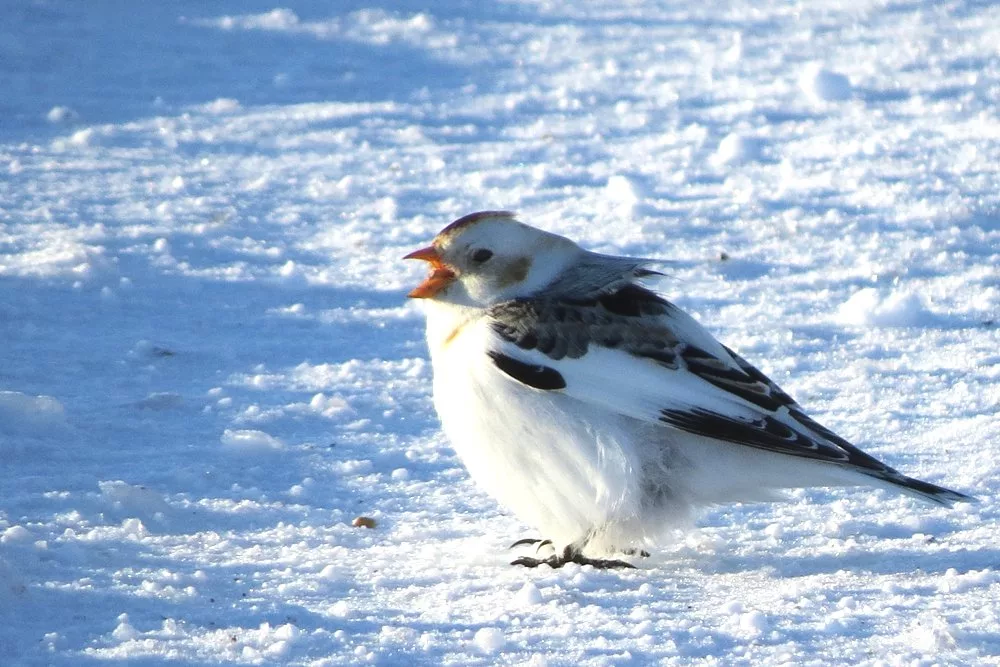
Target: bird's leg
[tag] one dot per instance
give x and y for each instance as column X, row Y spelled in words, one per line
column 571, row 554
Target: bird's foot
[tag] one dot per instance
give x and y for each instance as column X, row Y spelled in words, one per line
column 570, row 555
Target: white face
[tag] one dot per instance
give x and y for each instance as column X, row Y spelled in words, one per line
column 495, row 259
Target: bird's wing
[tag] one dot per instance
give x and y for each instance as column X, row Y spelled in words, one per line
column 634, row 353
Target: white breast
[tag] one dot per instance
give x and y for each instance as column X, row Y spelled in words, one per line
column 565, row 472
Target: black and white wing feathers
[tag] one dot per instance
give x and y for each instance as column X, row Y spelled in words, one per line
column 631, row 351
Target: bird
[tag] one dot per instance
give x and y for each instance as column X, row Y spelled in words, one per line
column 598, row 412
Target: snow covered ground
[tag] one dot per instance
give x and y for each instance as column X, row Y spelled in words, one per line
column 208, row 367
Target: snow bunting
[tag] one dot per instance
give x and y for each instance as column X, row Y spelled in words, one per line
column 596, row 410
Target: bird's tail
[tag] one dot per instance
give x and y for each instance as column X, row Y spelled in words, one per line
column 931, row 493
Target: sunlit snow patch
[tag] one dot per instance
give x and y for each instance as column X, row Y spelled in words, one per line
column 22, row 414
column 930, row 634
column 823, row 85
column 489, row 640
column 61, row 114
column 737, row 148
column 250, row 441
column 59, row 252
column 623, row 194
column 133, row 498
column 868, row 307
column 366, row 26
column 15, row 534
column 221, row 106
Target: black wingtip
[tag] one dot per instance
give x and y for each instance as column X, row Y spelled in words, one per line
column 928, row 492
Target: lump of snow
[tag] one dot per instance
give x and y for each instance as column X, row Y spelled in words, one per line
column 250, row 654
column 172, row 184
column 930, row 635
column 278, row 649
column 15, row 534
column 287, row 632
column 529, row 595
column 29, row 415
column 738, row 149
column 221, row 106
column 340, row 609
column 133, row 498
column 953, row 582
column 868, row 307
column 60, row 115
column 489, row 640
column 81, row 137
column 399, row 636
column 735, row 52
column 623, row 194
column 124, row 631
column 328, row 406
column 621, row 189
column 276, row 19
column 823, row 85
column 251, row 440
column 732, row 607
column 134, row 529
column 753, row 622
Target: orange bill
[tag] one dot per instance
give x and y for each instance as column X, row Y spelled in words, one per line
column 440, row 277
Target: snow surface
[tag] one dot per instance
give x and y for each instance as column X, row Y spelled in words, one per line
column 208, row 367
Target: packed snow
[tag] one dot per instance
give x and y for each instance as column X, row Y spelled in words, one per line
column 217, row 442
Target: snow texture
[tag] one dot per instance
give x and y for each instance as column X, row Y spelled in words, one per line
column 209, row 368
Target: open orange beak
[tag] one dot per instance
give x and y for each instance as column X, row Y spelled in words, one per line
column 441, row 276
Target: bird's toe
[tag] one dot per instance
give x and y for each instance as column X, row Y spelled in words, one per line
column 527, row 561
column 602, row 563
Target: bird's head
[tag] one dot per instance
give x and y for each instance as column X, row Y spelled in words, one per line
column 487, row 257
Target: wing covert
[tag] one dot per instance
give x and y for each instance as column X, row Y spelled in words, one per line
column 602, row 347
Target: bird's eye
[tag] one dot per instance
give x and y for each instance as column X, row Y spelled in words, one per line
column 481, row 255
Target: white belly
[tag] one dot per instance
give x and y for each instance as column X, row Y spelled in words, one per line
column 563, row 471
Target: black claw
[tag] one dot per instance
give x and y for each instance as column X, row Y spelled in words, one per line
column 526, row 540
column 530, row 540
